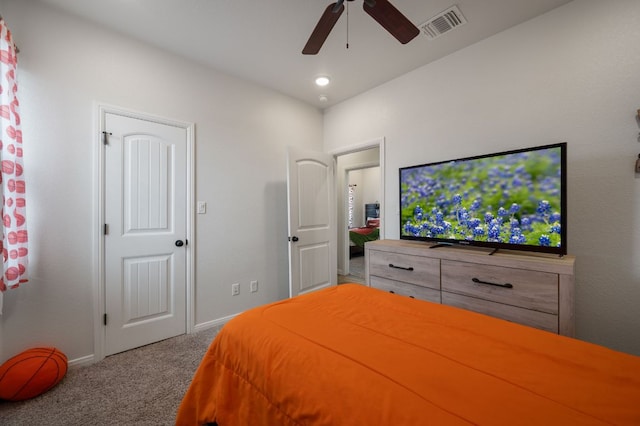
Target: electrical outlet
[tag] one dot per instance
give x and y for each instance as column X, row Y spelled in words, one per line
column 202, row 207
column 253, row 286
column 235, row 289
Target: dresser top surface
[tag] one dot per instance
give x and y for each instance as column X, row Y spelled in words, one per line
column 506, row 258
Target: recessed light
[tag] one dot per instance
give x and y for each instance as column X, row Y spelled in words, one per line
column 322, row 81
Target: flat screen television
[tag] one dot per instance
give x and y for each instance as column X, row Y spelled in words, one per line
column 512, row 200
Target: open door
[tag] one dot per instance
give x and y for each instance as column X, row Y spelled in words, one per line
column 312, row 221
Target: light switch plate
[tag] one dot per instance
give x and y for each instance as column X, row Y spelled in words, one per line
column 202, row 207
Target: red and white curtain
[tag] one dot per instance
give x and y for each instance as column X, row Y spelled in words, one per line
column 13, row 228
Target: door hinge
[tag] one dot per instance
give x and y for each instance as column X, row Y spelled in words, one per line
column 105, row 137
column 104, row 319
column 106, row 229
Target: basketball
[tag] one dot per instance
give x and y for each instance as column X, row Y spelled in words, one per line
column 31, row 373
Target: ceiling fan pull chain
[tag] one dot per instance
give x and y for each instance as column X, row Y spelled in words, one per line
column 347, row 25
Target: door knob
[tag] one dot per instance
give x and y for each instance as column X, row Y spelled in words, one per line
column 179, row 243
column 294, row 239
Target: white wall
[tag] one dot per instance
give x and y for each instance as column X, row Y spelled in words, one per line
column 242, row 131
column 570, row 75
column 371, row 186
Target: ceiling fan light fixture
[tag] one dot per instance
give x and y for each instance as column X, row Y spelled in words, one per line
column 322, row 81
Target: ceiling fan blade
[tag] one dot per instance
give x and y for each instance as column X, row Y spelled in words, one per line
column 323, row 28
column 392, row 20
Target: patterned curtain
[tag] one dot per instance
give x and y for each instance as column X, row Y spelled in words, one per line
column 352, row 191
column 13, row 228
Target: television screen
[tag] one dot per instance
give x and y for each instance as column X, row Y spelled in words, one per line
column 510, row 200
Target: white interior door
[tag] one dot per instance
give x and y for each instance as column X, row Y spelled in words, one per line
column 312, row 221
column 145, row 234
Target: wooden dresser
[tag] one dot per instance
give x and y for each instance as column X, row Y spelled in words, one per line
column 528, row 288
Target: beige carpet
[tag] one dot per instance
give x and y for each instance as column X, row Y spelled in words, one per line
column 143, row 386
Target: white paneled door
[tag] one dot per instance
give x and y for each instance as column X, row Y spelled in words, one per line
column 145, row 232
column 312, row 221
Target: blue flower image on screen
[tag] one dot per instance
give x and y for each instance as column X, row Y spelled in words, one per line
column 515, row 198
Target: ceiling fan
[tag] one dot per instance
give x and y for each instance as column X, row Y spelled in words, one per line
column 381, row 10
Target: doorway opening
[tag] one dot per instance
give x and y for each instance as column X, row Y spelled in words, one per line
column 360, row 205
column 363, row 216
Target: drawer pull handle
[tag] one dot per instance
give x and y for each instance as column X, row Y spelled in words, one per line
column 393, row 292
column 410, row 268
column 477, row 281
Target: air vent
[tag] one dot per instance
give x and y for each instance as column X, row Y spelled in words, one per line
column 443, row 23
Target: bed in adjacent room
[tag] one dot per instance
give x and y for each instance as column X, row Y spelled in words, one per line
column 355, row 355
column 359, row 236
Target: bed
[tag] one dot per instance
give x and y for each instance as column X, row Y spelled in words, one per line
column 353, row 355
column 370, row 232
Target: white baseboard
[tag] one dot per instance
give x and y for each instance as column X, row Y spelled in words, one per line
column 82, row 361
column 90, row 359
column 213, row 323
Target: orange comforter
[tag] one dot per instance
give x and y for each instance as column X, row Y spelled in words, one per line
column 352, row 355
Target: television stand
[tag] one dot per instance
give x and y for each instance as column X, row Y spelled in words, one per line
column 540, row 292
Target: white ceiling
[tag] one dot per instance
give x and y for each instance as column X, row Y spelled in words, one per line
column 262, row 40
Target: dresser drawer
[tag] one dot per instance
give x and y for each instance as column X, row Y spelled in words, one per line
column 516, row 287
column 541, row 320
column 404, row 289
column 421, row 271
column 540, row 292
